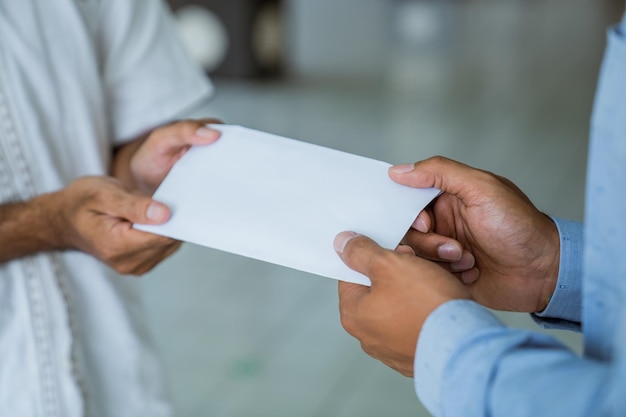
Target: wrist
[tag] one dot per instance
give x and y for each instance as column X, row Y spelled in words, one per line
column 551, row 270
column 48, row 215
column 29, row 227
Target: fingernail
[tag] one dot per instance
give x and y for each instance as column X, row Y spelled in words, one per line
column 405, row 249
column 205, row 132
column 466, row 262
column 420, row 225
column 402, row 168
column 449, row 252
column 342, row 239
column 157, row 212
column 470, row 277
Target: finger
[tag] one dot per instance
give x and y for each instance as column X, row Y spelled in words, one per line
column 434, row 246
column 117, row 202
column 445, row 174
column 350, row 296
column 211, row 121
column 142, row 252
column 466, row 262
column 153, row 258
column 126, row 249
column 361, row 253
column 423, row 222
column 470, row 276
column 405, row 249
column 204, row 136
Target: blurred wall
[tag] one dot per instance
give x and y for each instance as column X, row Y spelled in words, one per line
column 330, row 38
column 356, row 38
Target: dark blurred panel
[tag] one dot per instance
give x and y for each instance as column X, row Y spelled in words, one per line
column 234, row 38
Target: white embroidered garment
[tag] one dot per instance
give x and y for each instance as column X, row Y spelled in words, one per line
column 76, row 79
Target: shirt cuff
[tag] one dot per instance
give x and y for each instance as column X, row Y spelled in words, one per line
column 564, row 308
column 441, row 335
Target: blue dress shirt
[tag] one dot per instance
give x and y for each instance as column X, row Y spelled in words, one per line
column 469, row 364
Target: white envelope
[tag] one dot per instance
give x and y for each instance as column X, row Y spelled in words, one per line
column 283, row 201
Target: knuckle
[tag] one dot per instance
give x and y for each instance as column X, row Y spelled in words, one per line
column 188, row 126
column 108, row 254
column 136, row 266
column 125, row 269
column 104, row 194
column 101, row 196
column 348, row 323
column 439, row 160
column 369, row 349
column 372, row 350
column 121, row 268
column 382, row 263
column 137, row 272
column 122, row 265
column 162, row 242
column 488, row 178
column 211, row 120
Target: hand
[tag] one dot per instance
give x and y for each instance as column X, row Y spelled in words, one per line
column 515, row 246
column 151, row 161
column 387, row 317
column 95, row 215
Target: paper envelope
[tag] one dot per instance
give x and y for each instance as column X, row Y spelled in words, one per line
column 283, row 201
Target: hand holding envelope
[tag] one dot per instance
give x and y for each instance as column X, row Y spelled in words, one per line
column 283, row 201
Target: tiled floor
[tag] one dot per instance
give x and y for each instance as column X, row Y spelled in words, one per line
column 242, row 338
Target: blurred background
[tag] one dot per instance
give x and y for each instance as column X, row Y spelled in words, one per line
column 502, row 85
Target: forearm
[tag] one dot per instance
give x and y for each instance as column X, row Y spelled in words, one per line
column 29, row 227
column 469, row 364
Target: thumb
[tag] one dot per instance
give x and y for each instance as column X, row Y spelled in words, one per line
column 135, row 208
column 360, row 253
column 445, row 174
column 155, row 213
column 188, row 132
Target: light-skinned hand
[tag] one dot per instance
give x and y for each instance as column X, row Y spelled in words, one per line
column 152, row 160
column 95, row 215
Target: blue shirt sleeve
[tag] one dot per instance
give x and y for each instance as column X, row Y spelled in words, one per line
column 468, row 363
column 564, row 309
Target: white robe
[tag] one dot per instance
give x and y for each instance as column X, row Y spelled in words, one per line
column 77, row 78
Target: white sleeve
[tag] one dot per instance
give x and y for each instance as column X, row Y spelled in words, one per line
column 149, row 79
